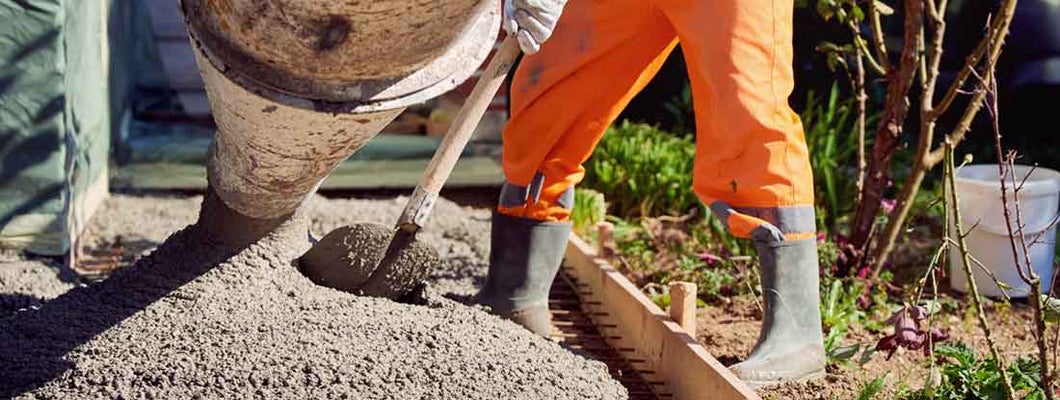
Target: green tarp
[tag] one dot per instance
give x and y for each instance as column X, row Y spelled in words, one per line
column 55, row 119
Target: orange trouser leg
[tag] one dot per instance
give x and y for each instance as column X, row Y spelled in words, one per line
column 752, row 164
column 564, row 98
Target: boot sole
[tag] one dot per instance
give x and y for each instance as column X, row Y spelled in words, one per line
column 805, row 378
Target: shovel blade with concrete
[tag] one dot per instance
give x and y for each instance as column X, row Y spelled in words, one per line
column 376, row 260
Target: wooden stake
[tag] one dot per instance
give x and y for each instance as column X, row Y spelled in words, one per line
column 683, row 305
column 605, row 240
column 686, row 368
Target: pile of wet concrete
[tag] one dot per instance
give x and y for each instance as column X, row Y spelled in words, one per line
column 195, row 320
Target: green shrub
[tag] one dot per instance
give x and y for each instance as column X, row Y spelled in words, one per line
column 682, row 111
column 589, row 210
column 840, row 311
column 831, row 136
column 966, row 376
column 643, row 171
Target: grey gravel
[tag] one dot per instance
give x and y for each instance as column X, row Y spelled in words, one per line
column 28, row 283
column 190, row 321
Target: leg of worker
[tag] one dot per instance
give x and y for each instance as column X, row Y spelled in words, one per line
column 753, row 169
column 564, row 98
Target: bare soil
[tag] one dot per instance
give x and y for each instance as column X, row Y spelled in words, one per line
column 730, row 331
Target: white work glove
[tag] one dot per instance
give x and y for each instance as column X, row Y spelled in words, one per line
column 532, row 21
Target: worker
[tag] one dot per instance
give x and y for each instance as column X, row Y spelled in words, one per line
column 751, row 165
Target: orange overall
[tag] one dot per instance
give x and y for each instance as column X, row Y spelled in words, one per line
column 751, row 165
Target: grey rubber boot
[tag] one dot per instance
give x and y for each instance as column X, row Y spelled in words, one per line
column 524, row 257
column 791, row 344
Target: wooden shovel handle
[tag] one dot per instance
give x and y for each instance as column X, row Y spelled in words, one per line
column 441, row 165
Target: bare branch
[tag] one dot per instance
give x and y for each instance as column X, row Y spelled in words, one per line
column 992, row 42
column 943, row 247
column 962, row 246
column 1026, row 177
column 1020, row 238
column 929, row 72
column 1022, row 235
column 889, row 128
column 863, row 47
column 982, row 267
column 878, row 38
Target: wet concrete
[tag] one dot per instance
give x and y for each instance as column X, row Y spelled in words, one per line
column 28, row 283
column 369, row 259
column 198, row 319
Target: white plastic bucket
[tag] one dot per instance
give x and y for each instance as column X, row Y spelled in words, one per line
column 982, row 215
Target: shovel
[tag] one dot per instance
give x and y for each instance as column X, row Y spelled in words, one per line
column 376, row 260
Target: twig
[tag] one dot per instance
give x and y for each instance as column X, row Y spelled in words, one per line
column 878, row 38
column 1029, row 276
column 944, row 247
column 860, row 46
column 927, row 158
column 862, row 97
column 1006, row 211
column 1035, row 282
column 962, row 246
column 1027, row 177
column 928, row 68
column 932, row 267
column 1048, row 228
column 1022, row 234
column 1056, row 330
column 1056, row 353
column 987, row 271
column 994, row 40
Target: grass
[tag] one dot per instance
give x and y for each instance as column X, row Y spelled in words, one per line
column 643, row 171
column 831, row 135
column 590, row 208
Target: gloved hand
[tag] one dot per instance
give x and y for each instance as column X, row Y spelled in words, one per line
column 532, row 21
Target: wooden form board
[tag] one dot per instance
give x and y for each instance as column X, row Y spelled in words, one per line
column 632, row 321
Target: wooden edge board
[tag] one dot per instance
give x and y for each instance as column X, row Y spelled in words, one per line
column 672, row 357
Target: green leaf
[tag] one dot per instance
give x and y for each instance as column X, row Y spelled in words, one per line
column 826, row 9
column 872, row 389
column 662, row 300
column 866, row 355
column 841, row 15
column 844, row 352
column 827, row 47
column 859, row 15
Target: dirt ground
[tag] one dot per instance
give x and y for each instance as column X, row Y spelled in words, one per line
column 730, row 331
column 276, row 320
column 191, row 320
